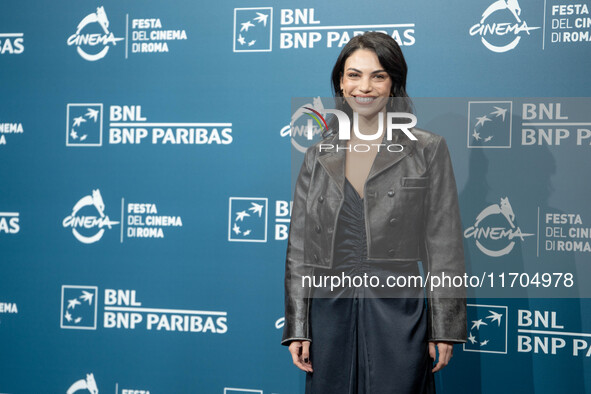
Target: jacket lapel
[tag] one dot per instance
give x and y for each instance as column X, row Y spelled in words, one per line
column 333, row 161
column 385, row 159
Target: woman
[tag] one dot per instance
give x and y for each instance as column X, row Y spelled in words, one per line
column 363, row 209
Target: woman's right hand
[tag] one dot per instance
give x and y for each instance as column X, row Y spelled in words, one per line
column 300, row 352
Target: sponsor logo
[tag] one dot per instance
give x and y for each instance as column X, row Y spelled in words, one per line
column 565, row 232
column 489, row 124
column 144, row 221
column 9, row 128
column 84, row 385
column 84, row 125
column 300, row 29
column 247, row 219
column 556, row 123
column 253, row 29
column 9, row 223
column 569, row 23
column 88, row 228
column 495, row 33
column 93, row 38
column 536, row 331
column 128, row 126
column 487, row 329
column 148, row 36
column 494, row 230
column 79, row 307
column 244, row 215
column 138, row 220
column 122, row 310
column 542, row 332
column 12, row 43
column 8, row 307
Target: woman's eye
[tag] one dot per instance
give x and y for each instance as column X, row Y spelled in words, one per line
column 353, row 75
column 380, row 76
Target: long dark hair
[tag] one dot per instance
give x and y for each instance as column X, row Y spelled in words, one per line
column 392, row 60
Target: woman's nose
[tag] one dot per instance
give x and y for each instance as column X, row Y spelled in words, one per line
column 365, row 85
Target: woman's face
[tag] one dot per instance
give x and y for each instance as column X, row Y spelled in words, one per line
column 366, row 85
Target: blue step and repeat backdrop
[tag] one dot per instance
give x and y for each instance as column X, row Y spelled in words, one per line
column 134, row 136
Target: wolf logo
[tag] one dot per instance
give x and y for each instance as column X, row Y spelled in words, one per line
column 96, row 199
column 84, row 384
column 504, row 209
column 511, row 5
column 100, row 16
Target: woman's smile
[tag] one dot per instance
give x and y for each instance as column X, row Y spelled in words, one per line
column 364, row 99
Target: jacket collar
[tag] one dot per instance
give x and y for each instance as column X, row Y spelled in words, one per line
column 333, row 159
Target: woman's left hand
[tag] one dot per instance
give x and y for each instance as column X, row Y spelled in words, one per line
column 445, row 349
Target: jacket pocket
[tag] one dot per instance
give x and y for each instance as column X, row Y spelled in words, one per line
column 415, row 182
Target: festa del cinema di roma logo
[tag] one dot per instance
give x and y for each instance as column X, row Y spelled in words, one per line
column 497, row 35
column 491, row 235
column 85, row 42
column 89, row 229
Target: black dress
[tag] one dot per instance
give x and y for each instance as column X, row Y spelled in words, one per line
column 367, row 340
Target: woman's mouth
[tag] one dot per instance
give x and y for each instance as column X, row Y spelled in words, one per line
column 364, row 100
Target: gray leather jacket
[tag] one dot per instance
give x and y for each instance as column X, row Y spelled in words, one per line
column 411, row 213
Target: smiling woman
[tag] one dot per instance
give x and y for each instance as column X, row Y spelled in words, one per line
column 364, row 84
column 373, row 213
column 381, row 59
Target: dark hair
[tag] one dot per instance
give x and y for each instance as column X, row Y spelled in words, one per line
column 390, row 57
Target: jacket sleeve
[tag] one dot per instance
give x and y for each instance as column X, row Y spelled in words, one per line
column 296, row 296
column 443, row 250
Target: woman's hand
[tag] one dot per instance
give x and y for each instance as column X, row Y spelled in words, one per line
column 445, row 349
column 300, row 352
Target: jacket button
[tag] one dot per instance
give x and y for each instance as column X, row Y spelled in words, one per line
column 390, row 193
column 393, row 221
column 391, row 252
column 330, row 230
column 321, row 199
column 317, row 228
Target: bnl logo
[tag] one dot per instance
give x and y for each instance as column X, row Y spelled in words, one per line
column 253, row 29
column 79, row 307
column 487, row 328
column 247, row 219
column 84, row 125
column 489, row 124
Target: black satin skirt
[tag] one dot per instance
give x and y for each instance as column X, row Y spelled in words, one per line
column 365, row 341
